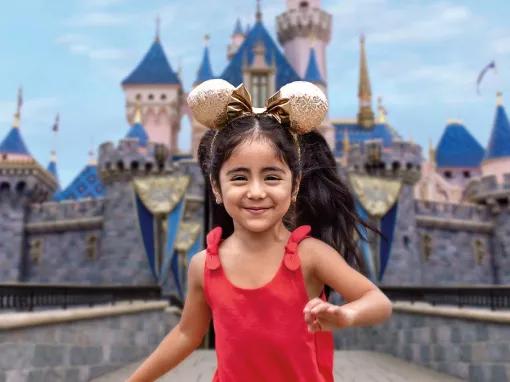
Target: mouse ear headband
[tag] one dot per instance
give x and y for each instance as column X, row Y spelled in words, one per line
column 300, row 104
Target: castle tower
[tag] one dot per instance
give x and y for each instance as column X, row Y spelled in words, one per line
column 313, row 75
column 158, row 90
column 497, row 156
column 236, row 40
column 365, row 113
column 22, row 181
column 204, row 73
column 458, row 154
column 304, row 25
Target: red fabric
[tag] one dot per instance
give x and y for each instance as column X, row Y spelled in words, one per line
column 261, row 334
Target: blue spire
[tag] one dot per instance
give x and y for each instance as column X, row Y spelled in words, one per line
column 312, row 71
column 137, row 131
column 153, row 69
column 238, row 28
column 499, row 142
column 233, row 73
column 13, row 143
column 52, row 168
column 204, row 72
column 458, row 148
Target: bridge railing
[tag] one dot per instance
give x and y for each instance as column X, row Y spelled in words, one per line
column 19, row 297
column 484, row 296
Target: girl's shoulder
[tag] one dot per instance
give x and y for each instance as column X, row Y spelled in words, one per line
column 196, row 268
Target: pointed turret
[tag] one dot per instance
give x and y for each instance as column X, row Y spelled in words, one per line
column 312, row 70
column 499, row 142
column 365, row 114
column 52, row 169
column 204, row 71
column 137, row 130
column 158, row 89
column 238, row 29
column 13, row 142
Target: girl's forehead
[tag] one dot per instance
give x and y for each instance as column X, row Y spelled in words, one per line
column 254, row 153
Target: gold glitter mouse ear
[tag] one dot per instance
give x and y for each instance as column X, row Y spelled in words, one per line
column 208, row 102
column 308, row 105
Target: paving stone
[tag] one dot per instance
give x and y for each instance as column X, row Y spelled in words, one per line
column 351, row 366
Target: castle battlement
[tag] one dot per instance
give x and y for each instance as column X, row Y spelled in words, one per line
column 487, row 190
column 403, row 159
column 445, row 210
column 129, row 159
column 65, row 210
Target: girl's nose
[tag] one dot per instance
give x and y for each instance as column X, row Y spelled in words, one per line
column 256, row 191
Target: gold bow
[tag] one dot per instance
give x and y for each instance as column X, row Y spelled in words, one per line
column 240, row 104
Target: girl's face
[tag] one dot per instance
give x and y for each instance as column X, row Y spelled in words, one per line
column 256, row 186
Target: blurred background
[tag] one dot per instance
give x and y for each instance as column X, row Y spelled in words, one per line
column 102, row 202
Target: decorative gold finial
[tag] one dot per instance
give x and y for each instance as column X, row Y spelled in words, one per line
column 138, row 113
column 258, row 14
column 432, row 153
column 92, row 157
column 207, row 37
column 346, row 143
column 499, row 99
column 382, row 113
column 17, row 115
column 365, row 114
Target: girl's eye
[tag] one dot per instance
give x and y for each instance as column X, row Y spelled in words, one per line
column 238, row 178
column 272, row 178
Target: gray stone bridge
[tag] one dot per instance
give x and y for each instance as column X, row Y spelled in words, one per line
column 350, row 366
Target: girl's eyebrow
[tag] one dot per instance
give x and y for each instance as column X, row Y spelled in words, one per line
column 245, row 169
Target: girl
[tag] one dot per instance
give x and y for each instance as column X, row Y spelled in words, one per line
column 263, row 285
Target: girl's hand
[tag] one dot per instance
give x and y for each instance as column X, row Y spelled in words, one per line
column 321, row 316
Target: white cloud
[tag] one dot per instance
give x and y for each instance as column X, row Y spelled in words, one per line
column 501, row 45
column 98, row 19
column 81, row 45
column 390, row 23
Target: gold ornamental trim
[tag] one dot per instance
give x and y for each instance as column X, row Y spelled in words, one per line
column 187, row 235
column 376, row 195
column 160, row 194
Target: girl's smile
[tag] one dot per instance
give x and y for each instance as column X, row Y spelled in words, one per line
column 255, row 185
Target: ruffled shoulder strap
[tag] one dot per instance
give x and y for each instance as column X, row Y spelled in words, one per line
column 212, row 260
column 291, row 259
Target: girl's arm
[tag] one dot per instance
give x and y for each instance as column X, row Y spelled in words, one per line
column 187, row 335
column 366, row 304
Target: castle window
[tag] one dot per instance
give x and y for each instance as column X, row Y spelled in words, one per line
column 151, row 97
column 35, row 249
column 426, row 246
column 138, row 97
column 163, row 97
column 406, row 241
column 91, row 247
column 448, row 174
column 467, row 174
column 479, row 251
column 259, row 87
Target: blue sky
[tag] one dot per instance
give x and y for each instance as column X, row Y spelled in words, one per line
column 70, row 57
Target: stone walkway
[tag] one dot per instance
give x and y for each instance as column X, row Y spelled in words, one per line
column 350, row 366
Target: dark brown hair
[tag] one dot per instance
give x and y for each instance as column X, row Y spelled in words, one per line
column 323, row 201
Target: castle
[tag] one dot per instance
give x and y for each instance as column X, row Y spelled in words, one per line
column 136, row 215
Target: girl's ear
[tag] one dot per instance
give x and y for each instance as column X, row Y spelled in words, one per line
column 215, row 190
column 296, row 189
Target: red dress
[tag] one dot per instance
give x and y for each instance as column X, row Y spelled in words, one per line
column 261, row 334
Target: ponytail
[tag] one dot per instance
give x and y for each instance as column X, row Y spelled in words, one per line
column 325, row 202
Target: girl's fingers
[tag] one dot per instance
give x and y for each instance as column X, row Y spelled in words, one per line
column 319, row 308
column 309, row 306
